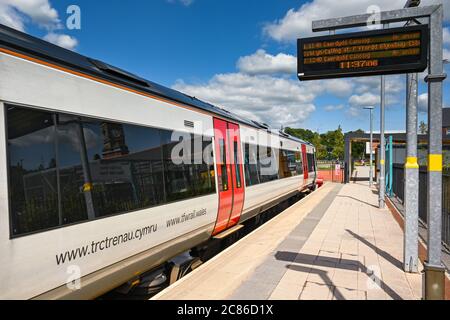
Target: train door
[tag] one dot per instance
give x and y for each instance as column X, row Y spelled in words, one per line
column 229, row 173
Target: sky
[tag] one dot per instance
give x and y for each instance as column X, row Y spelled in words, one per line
column 237, row 54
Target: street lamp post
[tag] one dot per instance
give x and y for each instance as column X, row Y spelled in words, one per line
column 370, row 108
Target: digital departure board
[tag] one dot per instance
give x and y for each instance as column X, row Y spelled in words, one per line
column 387, row 51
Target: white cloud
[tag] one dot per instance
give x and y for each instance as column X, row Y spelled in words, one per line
column 17, row 13
column 62, row 40
column 364, row 100
column 297, row 23
column 423, row 103
column 39, row 11
column 353, row 112
column 446, row 54
column 273, row 100
column 367, row 93
column 395, row 84
column 339, row 87
column 331, row 108
column 10, row 17
column 263, row 63
column 446, row 36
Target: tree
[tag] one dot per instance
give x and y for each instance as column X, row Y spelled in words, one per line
column 423, row 128
column 329, row 146
column 310, row 136
column 334, row 144
column 304, row 134
column 358, row 148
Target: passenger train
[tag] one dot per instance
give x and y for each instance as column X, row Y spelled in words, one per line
column 91, row 195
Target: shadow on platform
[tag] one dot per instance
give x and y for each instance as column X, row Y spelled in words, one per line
column 310, row 261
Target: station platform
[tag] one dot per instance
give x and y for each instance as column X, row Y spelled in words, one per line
column 333, row 244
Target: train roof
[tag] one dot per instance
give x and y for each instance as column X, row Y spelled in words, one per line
column 29, row 45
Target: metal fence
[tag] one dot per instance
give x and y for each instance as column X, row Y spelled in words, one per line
column 330, row 171
column 398, row 185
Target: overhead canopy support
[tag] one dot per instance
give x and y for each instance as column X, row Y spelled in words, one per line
column 385, row 17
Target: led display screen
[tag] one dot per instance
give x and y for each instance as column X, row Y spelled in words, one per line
column 388, row 51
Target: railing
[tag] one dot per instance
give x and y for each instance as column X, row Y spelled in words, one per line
column 398, row 185
column 330, row 171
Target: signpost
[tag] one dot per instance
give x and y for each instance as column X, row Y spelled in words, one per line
column 396, row 50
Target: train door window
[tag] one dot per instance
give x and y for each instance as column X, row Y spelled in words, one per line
column 284, row 165
column 314, row 162
column 236, row 164
column 310, row 158
column 267, row 164
column 299, row 162
column 33, row 186
column 251, row 164
column 223, row 165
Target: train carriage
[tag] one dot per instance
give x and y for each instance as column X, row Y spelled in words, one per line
column 91, row 194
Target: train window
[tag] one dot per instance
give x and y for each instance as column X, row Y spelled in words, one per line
column 202, row 173
column 251, row 164
column 299, row 162
column 58, row 162
column 311, row 163
column 32, row 170
column 125, row 166
column 236, row 165
column 267, row 164
column 288, row 165
column 223, row 166
column 70, row 170
column 283, row 166
column 186, row 174
column 205, row 168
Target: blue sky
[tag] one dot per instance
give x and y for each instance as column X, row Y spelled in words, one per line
column 237, row 54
